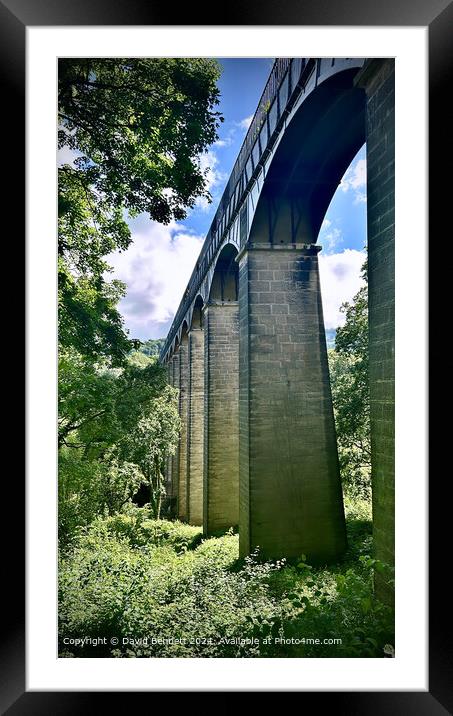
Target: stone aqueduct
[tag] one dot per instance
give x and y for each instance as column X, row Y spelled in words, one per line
column 247, row 347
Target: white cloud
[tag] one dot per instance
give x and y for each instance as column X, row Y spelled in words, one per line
column 209, row 163
column 355, row 178
column 330, row 236
column 332, row 240
column 246, row 122
column 229, row 131
column 340, row 281
column 360, row 197
column 226, row 142
column 156, row 269
column 359, row 174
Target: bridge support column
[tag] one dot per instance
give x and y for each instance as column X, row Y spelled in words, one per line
column 183, row 410
column 221, row 440
column 377, row 77
column 290, row 491
column 195, row 428
column 168, row 507
column 175, row 458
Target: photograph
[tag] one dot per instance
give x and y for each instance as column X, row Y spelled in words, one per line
column 226, row 357
column 236, row 292
column 229, row 481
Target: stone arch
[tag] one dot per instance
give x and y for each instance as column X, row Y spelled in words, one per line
column 196, row 320
column 224, row 283
column 183, row 331
column 322, row 137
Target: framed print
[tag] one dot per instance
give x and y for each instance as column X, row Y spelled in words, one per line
column 221, row 461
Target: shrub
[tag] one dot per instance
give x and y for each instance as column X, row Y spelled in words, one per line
column 89, row 488
column 111, row 589
column 357, row 508
column 140, row 530
column 135, row 579
column 177, row 534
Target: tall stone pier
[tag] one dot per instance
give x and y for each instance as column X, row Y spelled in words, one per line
column 290, row 491
column 169, row 487
column 183, row 414
column 195, row 428
column 221, row 448
column 378, row 79
column 175, row 371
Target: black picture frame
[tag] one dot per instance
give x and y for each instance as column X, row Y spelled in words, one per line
column 437, row 15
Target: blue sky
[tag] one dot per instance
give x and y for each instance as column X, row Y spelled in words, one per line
column 158, row 264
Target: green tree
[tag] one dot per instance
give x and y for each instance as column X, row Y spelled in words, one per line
column 350, row 392
column 99, row 404
column 153, row 440
column 101, row 409
column 137, row 128
column 152, row 347
column 89, row 487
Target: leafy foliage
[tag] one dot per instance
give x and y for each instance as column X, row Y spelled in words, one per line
column 136, row 129
column 137, row 525
column 152, row 347
column 89, row 320
column 102, row 412
column 348, row 365
column 102, row 403
column 148, row 444
column 201, row 600
column 88, row 488
column 140, row 125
